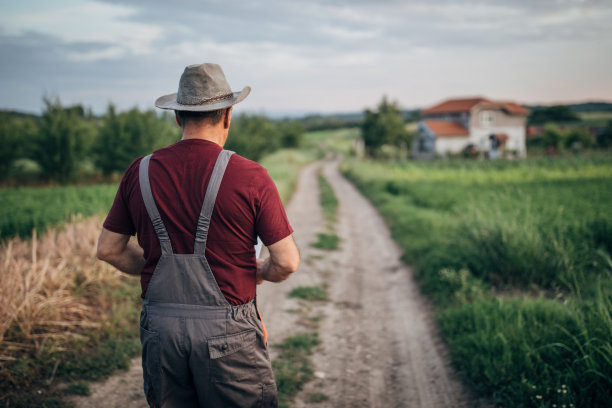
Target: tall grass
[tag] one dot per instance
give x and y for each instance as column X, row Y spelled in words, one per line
column 517, row 257
column 63, row 314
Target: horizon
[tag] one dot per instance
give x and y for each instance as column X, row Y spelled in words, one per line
column 311, row 56
column 299, row 114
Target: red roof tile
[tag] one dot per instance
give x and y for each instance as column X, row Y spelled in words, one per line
column 515, row 108
column 466, row 104
column 446, row 129
column 454, row 106
column 510, row 107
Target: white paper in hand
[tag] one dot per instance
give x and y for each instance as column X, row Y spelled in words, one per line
column 258, row 247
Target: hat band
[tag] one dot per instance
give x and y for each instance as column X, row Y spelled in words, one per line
column 208, row 100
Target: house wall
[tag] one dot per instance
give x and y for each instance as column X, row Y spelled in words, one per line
column 516, row 138
column 454, row 144
column 512, row 125
column 500, row 119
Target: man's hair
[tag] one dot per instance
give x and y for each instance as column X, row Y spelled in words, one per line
column 212, row 117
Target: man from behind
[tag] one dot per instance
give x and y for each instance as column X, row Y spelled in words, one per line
column 197, row 211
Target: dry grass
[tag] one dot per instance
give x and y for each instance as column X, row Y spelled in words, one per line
column 52, row 289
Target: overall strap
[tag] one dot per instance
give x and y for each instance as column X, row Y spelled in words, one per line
column 147, row 196
column 209, row 201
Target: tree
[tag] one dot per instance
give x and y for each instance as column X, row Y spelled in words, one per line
column 553, row 137
column 17, row 138
column 253, row 136
column 384, row 127
column 111, row 150
column 61, row 141
column 124, row 137
column 577, row 139
column 604, row 138
column 291, row 133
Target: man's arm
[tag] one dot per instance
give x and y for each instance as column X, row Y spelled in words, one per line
column 283, row 261
column 117, row 250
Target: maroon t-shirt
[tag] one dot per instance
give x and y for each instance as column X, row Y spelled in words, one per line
column 247, row 206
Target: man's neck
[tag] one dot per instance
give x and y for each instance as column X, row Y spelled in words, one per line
column 215, row 134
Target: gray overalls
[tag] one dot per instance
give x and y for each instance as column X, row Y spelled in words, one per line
column 197, row 349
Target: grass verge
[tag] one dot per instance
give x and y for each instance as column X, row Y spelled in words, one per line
column 329, row 203
column 516, row 256
column 284, row 167
column 293, row 368
column 328, row 200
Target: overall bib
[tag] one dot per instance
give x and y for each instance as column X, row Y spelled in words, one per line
column 197, row 349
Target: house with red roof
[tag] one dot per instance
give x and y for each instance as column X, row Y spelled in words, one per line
column 477, row 124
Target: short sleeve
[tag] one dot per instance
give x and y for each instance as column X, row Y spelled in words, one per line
column 271, row 222
column 119, row 218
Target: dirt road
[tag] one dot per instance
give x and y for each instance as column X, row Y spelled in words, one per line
column 379, row 347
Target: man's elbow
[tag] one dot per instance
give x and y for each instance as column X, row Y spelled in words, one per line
column 290, row 265
column 104, row 253
column 293, row 265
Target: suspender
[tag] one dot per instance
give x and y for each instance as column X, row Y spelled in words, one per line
column 147, row 196
column 209, row 201
column 207, row 206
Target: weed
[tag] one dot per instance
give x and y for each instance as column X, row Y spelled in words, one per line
column 293, row 368
column 312, row 293
column 78, row 388
column 326, row 241
column 317, row 397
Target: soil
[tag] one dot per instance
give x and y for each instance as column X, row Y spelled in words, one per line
column 379, row 345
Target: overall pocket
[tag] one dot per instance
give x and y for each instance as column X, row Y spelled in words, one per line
column 232, row 357
column 151, row 365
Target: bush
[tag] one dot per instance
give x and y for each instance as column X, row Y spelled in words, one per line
column 604, row 138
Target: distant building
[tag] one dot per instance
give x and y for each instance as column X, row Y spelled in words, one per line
column 474, row 124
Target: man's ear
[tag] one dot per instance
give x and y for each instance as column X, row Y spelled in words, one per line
column 227, row 118
column 178, row 122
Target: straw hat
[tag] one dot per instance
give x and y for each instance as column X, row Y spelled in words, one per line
column 202, row 88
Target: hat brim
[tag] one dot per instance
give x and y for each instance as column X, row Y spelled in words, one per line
column 169, row 102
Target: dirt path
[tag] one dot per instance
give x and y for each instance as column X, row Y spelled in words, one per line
column 378, row 345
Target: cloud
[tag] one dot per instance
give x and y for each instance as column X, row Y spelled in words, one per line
column 306, row 54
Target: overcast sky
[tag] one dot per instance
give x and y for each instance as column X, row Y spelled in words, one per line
column 306, row 55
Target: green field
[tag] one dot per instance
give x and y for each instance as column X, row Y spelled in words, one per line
column 27, row 208
column 516, row 256
column 596, row 118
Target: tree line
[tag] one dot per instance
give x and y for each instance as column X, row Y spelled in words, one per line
column 70, row 144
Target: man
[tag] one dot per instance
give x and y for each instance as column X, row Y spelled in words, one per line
column 197, row 210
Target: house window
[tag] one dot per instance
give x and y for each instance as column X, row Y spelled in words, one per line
column 487, row 118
